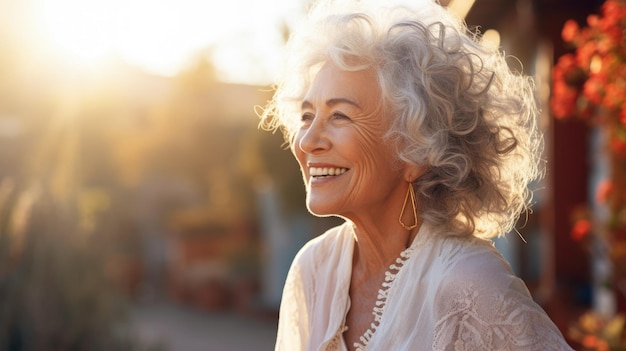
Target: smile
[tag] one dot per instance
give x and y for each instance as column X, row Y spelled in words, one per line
column 318, row 172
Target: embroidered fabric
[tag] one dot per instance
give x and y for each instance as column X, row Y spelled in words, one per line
column 383, row 294
column 479, row 319
column 335, row 343
column 444, row 294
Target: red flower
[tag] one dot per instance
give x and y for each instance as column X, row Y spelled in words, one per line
column 580, row 229
column 594, row 89
column 593, row 21
column 612, row 12
column 563, row 102
column 585, row 53
column 618, row 146
column 570, row 31
column 566, row 63
column 615, row 95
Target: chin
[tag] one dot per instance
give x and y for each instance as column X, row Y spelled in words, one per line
column 319, row 211
column 326, row 215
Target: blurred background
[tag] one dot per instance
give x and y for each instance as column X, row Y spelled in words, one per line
column 141, row 208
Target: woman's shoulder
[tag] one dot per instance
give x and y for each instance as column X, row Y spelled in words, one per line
column 478, row 291
column 474, row 277
column 470, row 260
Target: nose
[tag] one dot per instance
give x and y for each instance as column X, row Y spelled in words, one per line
column 314, row 138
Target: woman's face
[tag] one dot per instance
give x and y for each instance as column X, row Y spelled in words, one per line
column 348, row 170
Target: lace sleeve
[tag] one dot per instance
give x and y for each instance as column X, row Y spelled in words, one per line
column 481, row 317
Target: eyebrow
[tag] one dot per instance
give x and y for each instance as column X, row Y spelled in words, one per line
column 331, row 102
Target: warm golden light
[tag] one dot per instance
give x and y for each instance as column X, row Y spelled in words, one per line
column 491, row 37
column 77, row 29
column 162, row 36
column 460, row 7
column 596, row 64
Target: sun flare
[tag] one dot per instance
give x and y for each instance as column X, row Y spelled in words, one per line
column 161, row 35
column 83, row 31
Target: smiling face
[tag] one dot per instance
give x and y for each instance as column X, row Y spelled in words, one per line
column 348, row 169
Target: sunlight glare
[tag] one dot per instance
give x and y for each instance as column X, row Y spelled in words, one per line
column 78, row 29
column 161, row 36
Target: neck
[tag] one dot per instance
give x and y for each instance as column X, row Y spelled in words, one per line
column 377, row 248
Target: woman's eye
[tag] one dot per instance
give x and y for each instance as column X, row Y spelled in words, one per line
column 339, row 115
column 307, row 117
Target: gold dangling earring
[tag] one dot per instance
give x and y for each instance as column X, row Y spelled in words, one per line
column 409, row 193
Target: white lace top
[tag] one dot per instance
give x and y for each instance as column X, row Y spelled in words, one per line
column 442, row 294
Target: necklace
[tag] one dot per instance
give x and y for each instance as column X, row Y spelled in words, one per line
column 381, row 302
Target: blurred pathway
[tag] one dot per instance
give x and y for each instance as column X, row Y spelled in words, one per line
column 177, row 328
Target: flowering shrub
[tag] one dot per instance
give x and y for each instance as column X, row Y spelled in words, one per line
column 590, row 84
column 594, row 332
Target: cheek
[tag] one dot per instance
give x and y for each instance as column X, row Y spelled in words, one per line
column 298, row 153
column 375, row 152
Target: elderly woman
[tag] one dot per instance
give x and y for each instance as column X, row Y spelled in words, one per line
column 424, row 142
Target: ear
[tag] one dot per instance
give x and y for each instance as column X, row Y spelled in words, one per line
column 412, row 172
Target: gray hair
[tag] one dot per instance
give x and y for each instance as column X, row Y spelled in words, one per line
column 456, row 107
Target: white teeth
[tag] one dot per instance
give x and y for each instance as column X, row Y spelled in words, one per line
column 326, row 171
